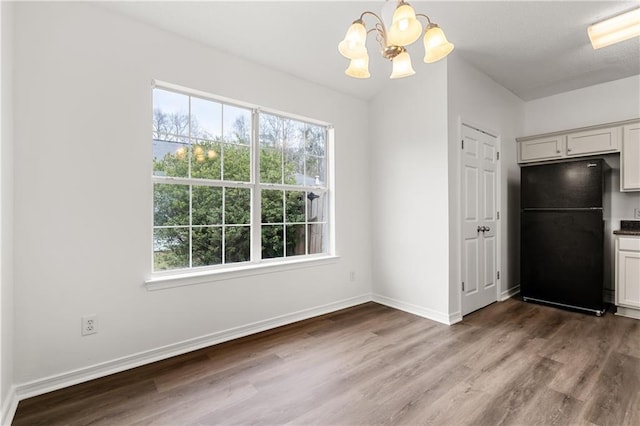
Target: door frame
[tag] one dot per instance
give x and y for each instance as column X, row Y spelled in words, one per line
column 499, row 205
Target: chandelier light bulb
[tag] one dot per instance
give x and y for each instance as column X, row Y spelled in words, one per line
column 436, row 45
column 353, row 45
column 359, row 68
column 402, row 66
column 405, row 28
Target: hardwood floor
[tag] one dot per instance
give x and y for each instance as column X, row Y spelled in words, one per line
column 510, row 363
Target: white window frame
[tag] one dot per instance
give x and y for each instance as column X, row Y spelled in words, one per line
column 256, row 265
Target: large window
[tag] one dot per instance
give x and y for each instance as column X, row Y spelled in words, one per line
column 234, row 184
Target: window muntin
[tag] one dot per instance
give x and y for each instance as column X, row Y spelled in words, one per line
column 220, row 198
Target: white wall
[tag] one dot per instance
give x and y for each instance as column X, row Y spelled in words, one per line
column 477, row 100
column 603, row 103
column 83, row 205
column 6, row 216
column 409, row 193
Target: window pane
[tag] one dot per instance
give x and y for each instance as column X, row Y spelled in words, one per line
column 296, row 240
column 237, row 206
column 170, row 114
column 171, row 158
column 206, row 205
column 207, row 246
column 316, row 238
column 170, row 248
column 237, row 125
column 270, row 131
column 170, row 204
column 316, row 206
column 237, row 244
column 295, row 206
column 270, row 165
column 315, row 140
column 270, row 148
column 294, row 153
column 205, row 159
column 272, row 206
column 316, row 170
column 237, row 162
column 206, row 119
column 272, row 241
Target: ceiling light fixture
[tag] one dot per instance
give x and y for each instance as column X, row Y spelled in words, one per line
column 616, row 29
column 404, row 30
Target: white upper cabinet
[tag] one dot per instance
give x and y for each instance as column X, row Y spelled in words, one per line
column 630, row 158
column 542, row 149
column 600, row 139
column 594, row 141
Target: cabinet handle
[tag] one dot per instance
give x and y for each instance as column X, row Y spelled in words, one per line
column 558, row 151
column 568, row 149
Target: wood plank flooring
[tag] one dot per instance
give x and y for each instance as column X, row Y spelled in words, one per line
column 511, row 363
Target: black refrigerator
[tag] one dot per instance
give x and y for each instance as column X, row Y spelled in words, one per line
column 562, row 235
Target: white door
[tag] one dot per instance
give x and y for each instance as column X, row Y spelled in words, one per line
column 479, row 221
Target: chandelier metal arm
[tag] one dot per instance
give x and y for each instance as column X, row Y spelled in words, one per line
column 424, row 16
column 379, row 26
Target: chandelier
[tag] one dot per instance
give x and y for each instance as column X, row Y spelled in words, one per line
column 404, row 30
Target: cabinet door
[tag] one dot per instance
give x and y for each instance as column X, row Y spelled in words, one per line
column 628, row 272
column 593, row 141
column 630, row 158
column 541, row 149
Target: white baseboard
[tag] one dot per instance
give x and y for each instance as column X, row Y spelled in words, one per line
column 414, row 309
column 59, row 381
column 628, row 312
column 455, row 317
column 9, row 406
column 509, row 293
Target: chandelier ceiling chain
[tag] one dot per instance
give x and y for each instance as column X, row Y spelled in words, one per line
column 405, row 29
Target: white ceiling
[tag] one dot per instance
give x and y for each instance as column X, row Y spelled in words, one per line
column 535, row 49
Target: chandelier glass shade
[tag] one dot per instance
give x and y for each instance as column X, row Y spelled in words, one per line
column 404, row 30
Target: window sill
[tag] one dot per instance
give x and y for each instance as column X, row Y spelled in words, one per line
column 194, row 278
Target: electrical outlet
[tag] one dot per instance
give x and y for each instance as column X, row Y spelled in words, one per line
column 89, row 324
column 352, row 276
column 636, row 213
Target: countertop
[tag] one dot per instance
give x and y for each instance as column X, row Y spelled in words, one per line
column 627, row 232
column 628, row 227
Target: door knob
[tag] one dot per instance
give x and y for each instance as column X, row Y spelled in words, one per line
column 480, row 229
column 486, row 228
